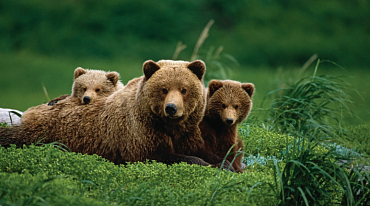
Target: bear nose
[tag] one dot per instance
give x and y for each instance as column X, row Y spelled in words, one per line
column 229, row 121
column 86, row 99
column 171, row 109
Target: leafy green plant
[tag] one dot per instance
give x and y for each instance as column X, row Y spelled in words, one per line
column 308, row 178
column 359, row 186
column 310, row 170
column 311, row 103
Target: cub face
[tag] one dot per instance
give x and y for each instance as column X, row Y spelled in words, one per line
column 90, row 85
column 174, row 88
column 229, row 101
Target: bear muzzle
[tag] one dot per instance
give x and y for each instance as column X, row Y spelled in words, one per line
column 174, row 105
column 172, row 111
column 86, row 99
column 229, row 116
column 229, row 121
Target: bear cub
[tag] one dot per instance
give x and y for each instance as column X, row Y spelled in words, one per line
column 228, row 104
column 90, row 85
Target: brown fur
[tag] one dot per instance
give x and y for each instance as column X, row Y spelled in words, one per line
column 8, row 136
column 133, row 124
column 228, row 104
column 56, row 100
column 90, row 85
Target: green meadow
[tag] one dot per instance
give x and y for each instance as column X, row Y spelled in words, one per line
column 306, row 141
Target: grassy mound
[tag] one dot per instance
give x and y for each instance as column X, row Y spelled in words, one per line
column 46, row 175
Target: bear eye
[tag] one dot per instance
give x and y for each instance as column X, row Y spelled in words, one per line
column 97, row 90
column 165, row 91
column 236, row 106
column 84, row 89
column 183, row 91
column 223, row 106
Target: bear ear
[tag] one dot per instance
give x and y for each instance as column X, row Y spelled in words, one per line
column 79, row 71
column 249, row 88
column 149, row 68
column 113, row 77
column 213, row 86
column 198, row 68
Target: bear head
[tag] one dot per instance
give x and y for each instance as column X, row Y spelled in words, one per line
column 174, row 89
column 229, row 101
column 90, row 85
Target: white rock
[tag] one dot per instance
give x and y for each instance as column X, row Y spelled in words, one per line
column 7, row 116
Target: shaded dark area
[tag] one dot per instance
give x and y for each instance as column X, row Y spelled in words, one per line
column 255, row 32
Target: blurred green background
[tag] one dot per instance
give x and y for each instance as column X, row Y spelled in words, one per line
column 42, row 42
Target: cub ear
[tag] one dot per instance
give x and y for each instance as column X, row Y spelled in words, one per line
column 113, row 77
column 79, row 71
column 149, row 67
column 213, row 86
column 249, row 88
column 198, row 68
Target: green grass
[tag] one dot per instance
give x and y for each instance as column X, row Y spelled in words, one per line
column 301, row 171
column 261, row 141
column 312, row 102
column 306, row 170
column 310, row 170
column 46, row 175
column 357, row 137
column 39, row 175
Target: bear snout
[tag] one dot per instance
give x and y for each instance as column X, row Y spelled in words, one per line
column 173, row 106
column 230, row 121
column 171, row 109
column 86, row 99
column 229, row 116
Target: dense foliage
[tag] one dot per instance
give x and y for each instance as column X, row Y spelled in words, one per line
column 269, row 32
column 42, row 175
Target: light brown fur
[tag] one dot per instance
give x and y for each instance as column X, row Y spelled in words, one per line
column 228, row 104
column 133, row 124
column 90, row 85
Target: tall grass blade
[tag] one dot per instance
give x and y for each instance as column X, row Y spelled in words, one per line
column 303, row 195
column 46, row 92
column 178, row 50
column 203, row 36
